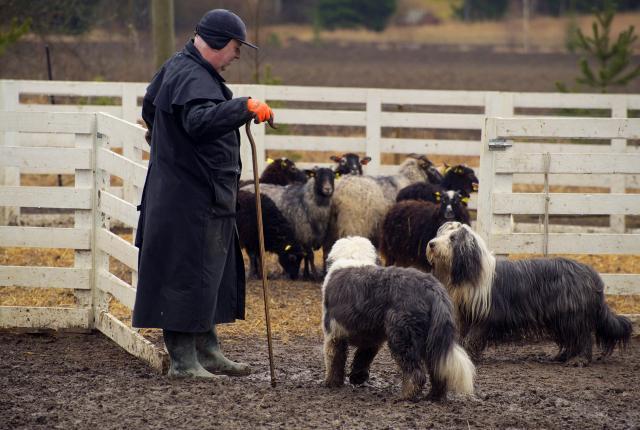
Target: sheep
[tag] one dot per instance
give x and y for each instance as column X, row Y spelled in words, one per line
column 411, row 224
column 307, row 208
column 361, row 202
column 349, row 163
column 281, row 171
column 279, row 236
column 457, row 178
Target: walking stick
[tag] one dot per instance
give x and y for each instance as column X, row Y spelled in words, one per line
column 265, row 288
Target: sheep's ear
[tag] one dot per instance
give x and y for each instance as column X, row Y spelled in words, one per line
column 446, row 168
column 310, row 173
column 414, row 155
column 269, row 160
column 335, row 158
column 365, row 161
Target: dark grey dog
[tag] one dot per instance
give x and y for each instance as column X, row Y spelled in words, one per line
column 366, row 305
column 502, row 300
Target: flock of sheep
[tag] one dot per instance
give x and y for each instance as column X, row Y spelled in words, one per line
column 307, row 210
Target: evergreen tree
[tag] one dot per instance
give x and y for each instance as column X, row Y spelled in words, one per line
column 612, row 59
column 372, row 15
column 15, row 32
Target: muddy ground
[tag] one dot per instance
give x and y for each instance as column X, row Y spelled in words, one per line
column 85, row 381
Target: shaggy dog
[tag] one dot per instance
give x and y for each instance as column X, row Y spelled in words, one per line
column 505, row 300
column 365, row 304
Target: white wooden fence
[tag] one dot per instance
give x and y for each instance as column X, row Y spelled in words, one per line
column 497, row 202
column 369, row 114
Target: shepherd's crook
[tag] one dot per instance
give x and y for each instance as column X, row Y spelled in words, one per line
column 265, row 288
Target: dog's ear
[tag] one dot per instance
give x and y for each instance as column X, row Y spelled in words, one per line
column 466, row 258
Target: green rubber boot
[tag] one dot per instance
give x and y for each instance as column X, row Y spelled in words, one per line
column 211, row 357
column 182, row 352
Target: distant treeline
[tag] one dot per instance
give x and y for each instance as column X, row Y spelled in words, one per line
column 78, row 16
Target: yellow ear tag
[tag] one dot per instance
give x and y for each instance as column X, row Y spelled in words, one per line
column 269, row 160
column 465, row 200
column 446, row 169
column 288, row 247
column 337, row 175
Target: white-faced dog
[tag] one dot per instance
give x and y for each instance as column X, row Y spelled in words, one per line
column 502, row 300
column 365, row 305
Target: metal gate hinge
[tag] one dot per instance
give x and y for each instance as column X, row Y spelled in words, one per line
column 499, row 144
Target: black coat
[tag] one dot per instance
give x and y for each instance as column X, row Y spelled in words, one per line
column 191, row 271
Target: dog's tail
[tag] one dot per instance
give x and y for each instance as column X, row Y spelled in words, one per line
column 450, row 362
column 612, row 330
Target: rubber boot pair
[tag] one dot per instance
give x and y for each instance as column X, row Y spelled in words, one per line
column 198, row 355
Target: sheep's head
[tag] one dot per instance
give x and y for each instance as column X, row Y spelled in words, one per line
column 452, row 206
column 432, row 173
column 290, row 258
column 349, row 163
column 282, row 171
column 324, row 181
column 461, row 178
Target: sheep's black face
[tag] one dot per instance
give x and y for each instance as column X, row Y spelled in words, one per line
column 433, row 175
column 324, row 181
column 290, row 260
column 292, row 173
column 452, row 207
column 461, row 178
column 349, row 164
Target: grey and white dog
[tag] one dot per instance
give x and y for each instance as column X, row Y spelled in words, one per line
column 365, row 305
column 503, row 300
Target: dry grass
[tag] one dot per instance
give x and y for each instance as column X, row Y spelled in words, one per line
column 545, row 33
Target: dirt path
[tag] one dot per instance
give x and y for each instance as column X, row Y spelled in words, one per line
column 85, row 381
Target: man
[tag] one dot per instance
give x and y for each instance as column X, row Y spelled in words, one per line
column 191, row 271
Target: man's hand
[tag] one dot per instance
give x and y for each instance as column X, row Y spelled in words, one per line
column 261, row 111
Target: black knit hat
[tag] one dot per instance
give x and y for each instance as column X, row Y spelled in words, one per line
column 218, row 26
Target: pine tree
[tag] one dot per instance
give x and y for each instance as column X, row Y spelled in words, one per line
column 612, row 59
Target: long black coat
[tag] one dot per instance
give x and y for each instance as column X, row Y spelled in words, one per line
column 191, row 272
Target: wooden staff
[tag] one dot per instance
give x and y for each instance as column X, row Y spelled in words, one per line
column 265, row 288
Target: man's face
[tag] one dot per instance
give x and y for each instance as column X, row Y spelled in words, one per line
column 227, row 55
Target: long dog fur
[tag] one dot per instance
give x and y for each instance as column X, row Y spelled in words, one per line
column 365, row 304
column 502, row 300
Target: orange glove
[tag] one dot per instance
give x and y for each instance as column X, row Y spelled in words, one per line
column 261, row 111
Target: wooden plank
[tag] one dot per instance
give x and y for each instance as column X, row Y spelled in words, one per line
column 531, row 243
column 314, row 143
column 45, row 122
column 313, row 94
column 46, row 197
column 508, row 162
column 432, row 120
column 78, row 88
column 58, row 108
column 574, row 180
column 120, row 131
column 566, row 204
column 46, row 158
column 58, row 140
column 621, row 284
column 115, row 286
column 132, row 342
column 45, row 237
column 566, row 100
column 589, row 128
column 117, row 208
column 430, row 146
column 45, row 277
column 320, row 117
column 117, row 247
column 116, row 164
column 578, row 148
column 43, row 318
column 432, row 97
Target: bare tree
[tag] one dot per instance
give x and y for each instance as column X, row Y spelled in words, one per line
column 162, row 24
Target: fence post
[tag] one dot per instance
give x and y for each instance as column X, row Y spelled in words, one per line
column 99, row 219
column 618, row 181
column 373, row 131
column 9, row 101
column 83, row 218
column 130, row 110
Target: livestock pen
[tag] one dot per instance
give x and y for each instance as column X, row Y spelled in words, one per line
column 102, row 158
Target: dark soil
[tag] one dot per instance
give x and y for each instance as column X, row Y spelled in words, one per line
column 86, row 381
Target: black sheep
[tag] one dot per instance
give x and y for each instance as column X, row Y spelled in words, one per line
column 411, row 224
column 457, row 178
column 349, row 163
column 279, row 236
column 280, row 171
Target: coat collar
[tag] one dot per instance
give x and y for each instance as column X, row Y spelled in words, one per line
column 191, row 51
